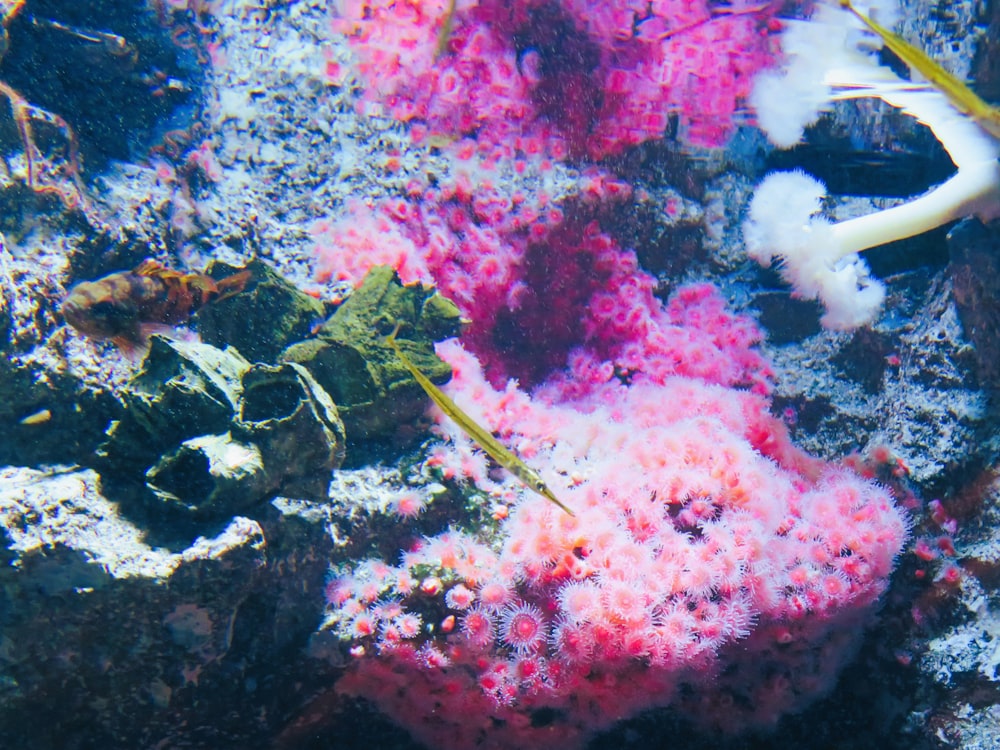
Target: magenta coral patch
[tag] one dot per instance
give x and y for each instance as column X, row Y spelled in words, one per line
column 706, row 551
column 605, row 75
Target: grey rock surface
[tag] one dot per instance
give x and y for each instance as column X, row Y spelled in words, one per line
column 109, row 640
column 138, row 645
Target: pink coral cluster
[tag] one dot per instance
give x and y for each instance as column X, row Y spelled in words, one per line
column 705, row 550
column 709, row 566
column 542, row 294
column 605, row 75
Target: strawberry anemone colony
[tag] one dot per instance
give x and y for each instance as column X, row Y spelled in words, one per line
column 709, row 566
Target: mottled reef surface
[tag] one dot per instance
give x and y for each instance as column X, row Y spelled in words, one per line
column 189, row 618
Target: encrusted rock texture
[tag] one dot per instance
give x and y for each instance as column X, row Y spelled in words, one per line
column 125, row 625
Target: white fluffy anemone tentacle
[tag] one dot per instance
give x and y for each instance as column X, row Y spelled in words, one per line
column 819, row 258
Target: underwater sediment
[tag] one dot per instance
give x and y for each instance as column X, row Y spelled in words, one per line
column 244, row 525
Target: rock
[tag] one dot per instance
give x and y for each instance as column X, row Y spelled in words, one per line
column 263, row 319
column 350, row 360
column 205, row 433
column 210, row 475
column 975, row 276
column 197, row 646
column 285, row 412
column 184, row 390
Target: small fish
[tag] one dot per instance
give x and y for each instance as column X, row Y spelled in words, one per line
column 964, row 99
column 486, row 441
column 117, row 307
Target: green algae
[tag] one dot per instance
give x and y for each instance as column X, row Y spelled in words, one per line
column 264, row 318
column 350, row 359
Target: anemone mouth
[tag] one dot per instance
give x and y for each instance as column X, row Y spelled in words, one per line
column 523, row 627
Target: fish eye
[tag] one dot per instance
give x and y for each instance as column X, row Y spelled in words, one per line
column 540, row 485
column 110, row 314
